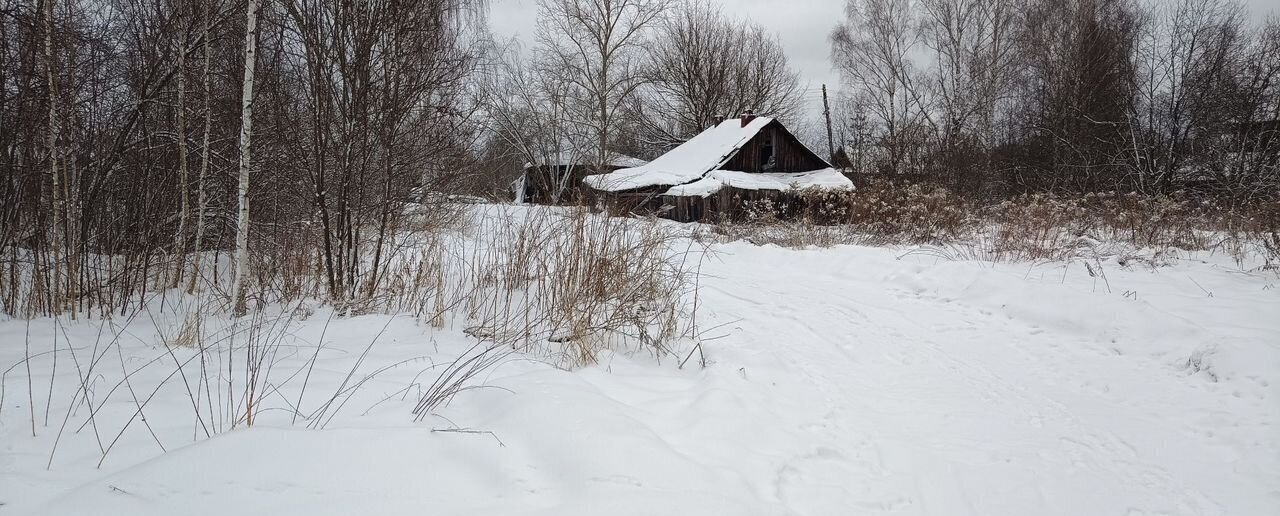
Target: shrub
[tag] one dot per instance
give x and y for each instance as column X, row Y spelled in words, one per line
column 1026, row 227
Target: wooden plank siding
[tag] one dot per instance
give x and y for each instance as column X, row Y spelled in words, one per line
column 730, row 204
column 789, row 154
column 640, row 200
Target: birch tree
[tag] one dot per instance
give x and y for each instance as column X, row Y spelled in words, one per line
column 973, row 44
column 59, row 226
column 246, row 136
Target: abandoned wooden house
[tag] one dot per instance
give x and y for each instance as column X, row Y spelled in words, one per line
column 716, row 172
column 558, row 179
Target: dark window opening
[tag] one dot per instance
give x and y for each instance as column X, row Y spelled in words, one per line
column 767, row 162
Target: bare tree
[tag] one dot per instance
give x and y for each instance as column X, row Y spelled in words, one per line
column 974, row 63
column 703, row 64
column 376, row 97
column 853, row 132
column 1075, row 95
column 529, row 107
column 598, row 44
column 60, row 222
column 202, row 201
column 1240, row 153
column 98, row 125
column 1184, row 53
column 180, row 109
column 872, row 48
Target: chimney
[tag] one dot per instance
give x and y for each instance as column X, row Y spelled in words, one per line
column 747, row 117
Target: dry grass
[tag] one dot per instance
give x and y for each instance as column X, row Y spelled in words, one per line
column 564, row 284
column 1025, row 228
column 561, row 283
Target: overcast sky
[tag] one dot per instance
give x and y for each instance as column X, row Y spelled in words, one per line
column 802, row 25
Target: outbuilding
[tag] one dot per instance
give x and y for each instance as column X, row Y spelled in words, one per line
column 558, row 179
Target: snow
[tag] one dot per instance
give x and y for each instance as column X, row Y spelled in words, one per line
column 625, row 161
column 850, row 380
column 707, row 151
column 570, row 158
column 518, row 188
column 824, row 179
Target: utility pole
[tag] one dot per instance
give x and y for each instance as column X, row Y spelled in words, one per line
column 860, row 137
column 826, row 113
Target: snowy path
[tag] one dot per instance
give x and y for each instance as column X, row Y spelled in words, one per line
column 865, row 392
column 842, row 381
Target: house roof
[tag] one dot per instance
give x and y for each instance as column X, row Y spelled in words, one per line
column 824, row 179
column 703, row 153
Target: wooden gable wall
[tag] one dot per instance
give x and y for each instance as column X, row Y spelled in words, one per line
column 789, row 154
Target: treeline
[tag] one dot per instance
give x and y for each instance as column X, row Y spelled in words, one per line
column 140, row 137
column 147, row 130
column 995, row 98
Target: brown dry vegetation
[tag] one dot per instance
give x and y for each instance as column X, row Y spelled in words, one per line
column 562, row 284
column 1025, row 227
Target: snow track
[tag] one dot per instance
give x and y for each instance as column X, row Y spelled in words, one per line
column 842, row 381
column 947, row 399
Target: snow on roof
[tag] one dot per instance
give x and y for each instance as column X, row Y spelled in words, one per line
column 625, row 161
column 824, row 179
column 705, row 152
column 570, row 158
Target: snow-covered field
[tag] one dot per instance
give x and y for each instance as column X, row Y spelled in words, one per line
column 850, row 380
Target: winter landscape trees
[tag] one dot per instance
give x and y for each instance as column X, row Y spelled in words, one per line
column 143, row 143
column 290, row 214
column 311, row 124
column 1088, row 96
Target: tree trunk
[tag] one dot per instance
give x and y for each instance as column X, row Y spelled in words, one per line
column 55, row 242
column 180, row 239
column 246, row 134
column 201, row 200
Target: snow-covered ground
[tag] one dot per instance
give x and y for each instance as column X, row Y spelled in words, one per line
column 850, row 380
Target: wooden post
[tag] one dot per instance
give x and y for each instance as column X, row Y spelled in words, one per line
column 826, row 113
